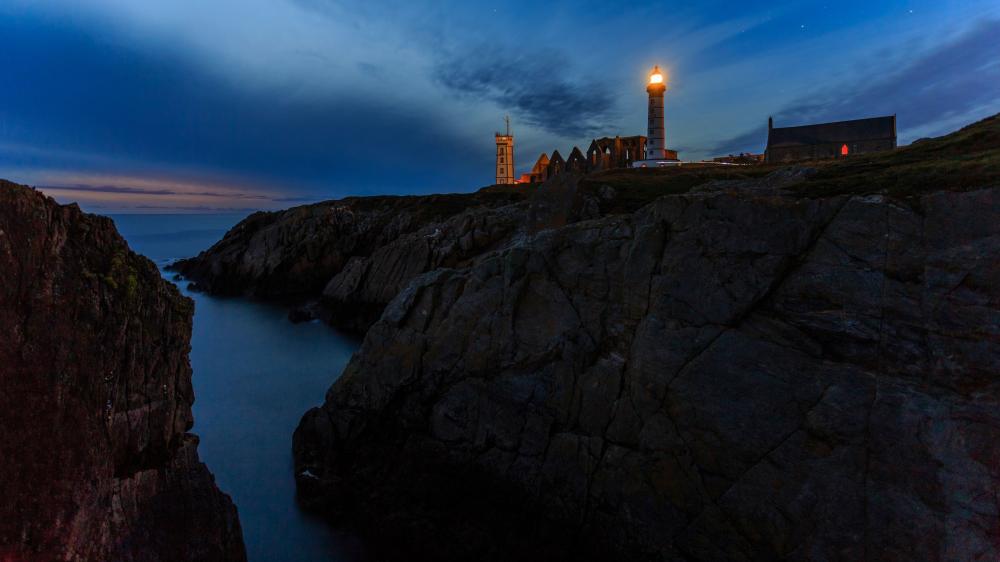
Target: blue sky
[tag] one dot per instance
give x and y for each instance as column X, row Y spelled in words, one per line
column 204, row 105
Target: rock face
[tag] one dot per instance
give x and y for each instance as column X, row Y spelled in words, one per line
column 356, row 296
column 295, row 253
column 95, row 399
column 733, row 374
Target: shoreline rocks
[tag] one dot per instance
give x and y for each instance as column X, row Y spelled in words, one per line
column 95, row 399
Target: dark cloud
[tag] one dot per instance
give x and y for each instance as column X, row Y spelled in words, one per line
column 754, row 140
column 191, row 208
column 538, row 87
column 150, row 107
column 951, row 80
column 141, row 191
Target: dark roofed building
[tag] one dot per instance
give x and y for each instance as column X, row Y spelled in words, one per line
column 830, row 140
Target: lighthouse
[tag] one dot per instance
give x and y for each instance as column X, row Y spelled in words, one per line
column 656, row 141
column 657, row 154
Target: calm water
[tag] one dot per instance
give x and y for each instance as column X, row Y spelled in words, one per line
column 255, row 374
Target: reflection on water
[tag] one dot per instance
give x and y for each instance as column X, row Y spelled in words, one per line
column 255, row 374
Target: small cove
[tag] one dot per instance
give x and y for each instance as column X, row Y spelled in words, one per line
column 255, row 374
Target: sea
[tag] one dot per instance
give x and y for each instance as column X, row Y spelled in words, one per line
column 255, row 374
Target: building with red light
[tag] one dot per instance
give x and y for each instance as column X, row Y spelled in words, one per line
column 830, row 140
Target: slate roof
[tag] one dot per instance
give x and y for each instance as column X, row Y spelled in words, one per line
column 875, row 128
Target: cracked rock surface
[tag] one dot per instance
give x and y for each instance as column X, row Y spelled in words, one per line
column 732, row 374
column 96, row 462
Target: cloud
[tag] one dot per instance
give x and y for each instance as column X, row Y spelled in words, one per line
column 141, row 191
column 539, row 87
column 89, row 102
column 954, row 80
column 191, row 208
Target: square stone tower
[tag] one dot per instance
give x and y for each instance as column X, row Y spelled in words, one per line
column 505, row 156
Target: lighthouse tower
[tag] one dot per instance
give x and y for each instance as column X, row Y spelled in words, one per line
column 657, row 153
column 656, row 148
column 505, row 156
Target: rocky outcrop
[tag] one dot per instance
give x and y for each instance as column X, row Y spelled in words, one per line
column 356, row 296
column 95, row 399
column 733, row 374
column 293, row 254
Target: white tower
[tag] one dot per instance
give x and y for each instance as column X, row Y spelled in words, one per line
column 505, row 156
column 656, row 141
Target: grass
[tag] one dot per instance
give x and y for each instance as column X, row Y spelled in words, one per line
column 964, row 160
column 636, row 187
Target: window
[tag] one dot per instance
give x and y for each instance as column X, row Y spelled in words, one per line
column 844, row 151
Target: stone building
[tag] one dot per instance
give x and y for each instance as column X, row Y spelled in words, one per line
column 606, row 153
column 555, row 166
column 830, row 140
column 505, row 156
column 609, row 153
column 538, row 171
column 577, row 162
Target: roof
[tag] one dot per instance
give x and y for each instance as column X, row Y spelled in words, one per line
column 875, row 128
column 540, row 164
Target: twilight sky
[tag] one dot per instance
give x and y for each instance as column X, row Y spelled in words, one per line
column 205, row 105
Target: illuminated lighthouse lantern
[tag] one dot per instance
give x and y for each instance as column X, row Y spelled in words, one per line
column 656, row 141
column 657, row 154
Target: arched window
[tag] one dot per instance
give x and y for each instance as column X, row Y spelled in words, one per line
column 844, row 151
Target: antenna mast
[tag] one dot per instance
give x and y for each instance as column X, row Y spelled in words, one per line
column 506, row 119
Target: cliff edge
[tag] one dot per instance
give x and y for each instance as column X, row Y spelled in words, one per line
column 800, row 367
column 96, row 462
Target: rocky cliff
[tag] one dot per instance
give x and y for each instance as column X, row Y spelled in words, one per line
column 95, row 399
column 802, row 367
column 344, row 260
column 293, row 254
